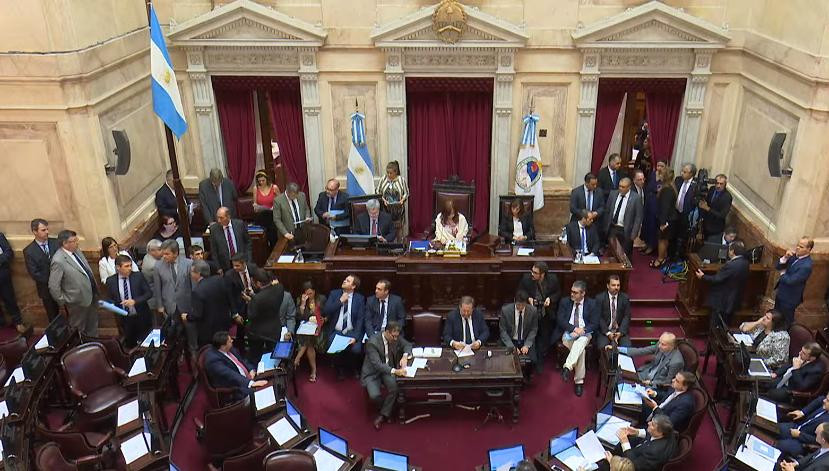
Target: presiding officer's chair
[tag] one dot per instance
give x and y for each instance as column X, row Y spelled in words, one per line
column 94, row 381
column 295, row 460
column 505, row 201
column 462, row 195
column 358, row 206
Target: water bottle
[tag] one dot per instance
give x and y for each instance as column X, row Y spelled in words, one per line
column 299, row 257
column 579, row 257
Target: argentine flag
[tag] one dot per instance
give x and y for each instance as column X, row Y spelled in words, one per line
column 360, row 178
column 166, row 98
column 528, row 165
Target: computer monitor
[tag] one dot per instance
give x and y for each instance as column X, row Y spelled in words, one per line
column 604, row 414
column 713, row 252
column 745, row 358
column 282, row 350
column 293, row 414
column 505, row 458
column 333, row 443
column 564, row 441
column 33, row 364
column 56, row 330
column 389, row 461
column 359, row 240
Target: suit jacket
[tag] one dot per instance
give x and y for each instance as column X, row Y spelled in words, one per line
column 283, row 216
column 453, row 329
column 171, row 292
column 395, row 311
column 287, row 312
column 651, row 455
column 634, row 213
column 805, row 378
column 664, row 366
column 223, row 373
column 714, row 219
column 341, row 203
column 263, row 312
column 687, row 202
column 139, row 291
column 68, row 284
column 211, row 308
column 166, row 202
column 7, row 253
column 578, row 201
column 219, row 248
column 549, row 288
column 589, row 311
column 331, row 312
column 385, row 227
column 726, row 291
column 375, row 364
column 573, row 232
column 791, row 284
column 236, row 286
column 606, row 184
column 809, row 463
column 622, row 312
column 679, row 410
column 37, row 264
column 808, row 424
column 506, row 227
column 209, row 198
column 507, row 327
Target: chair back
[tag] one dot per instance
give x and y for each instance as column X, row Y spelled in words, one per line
column 13, row 351
column 114, row 350
column 87, row 368
column 314, row 237
column 229, row 430
column 461, row 193
column 798, row 336
column 690, row 356
column 358, row 206
column 683, row 449
column 426, row 329
column 216, row 397
column 248, row 461
column 73, row 443
column 49, row 458
column 700, row 408
column 505, row 201
column 295, row 460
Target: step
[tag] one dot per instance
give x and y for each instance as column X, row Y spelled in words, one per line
column 654, row 316
column 647, row 333
column 653, row 302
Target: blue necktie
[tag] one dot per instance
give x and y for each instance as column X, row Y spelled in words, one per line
column 583, row 240
column 590, row 200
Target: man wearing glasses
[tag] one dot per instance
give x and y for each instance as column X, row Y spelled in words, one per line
column 577, row 320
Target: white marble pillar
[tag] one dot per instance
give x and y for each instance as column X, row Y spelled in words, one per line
column 587, row 116
column 688, row 130
column 501, row 152
column 206, row 114
column 396, row 110
column 309, row 91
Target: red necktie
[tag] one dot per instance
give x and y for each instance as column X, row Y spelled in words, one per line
column 374, row 227
column 230, row 245
column 238, row 363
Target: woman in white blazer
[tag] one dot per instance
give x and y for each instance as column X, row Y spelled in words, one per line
column 450, row 225
column 110, row 250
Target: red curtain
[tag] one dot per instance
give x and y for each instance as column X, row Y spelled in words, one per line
column 286, row 122
column 608, row 103
column 449, row 133
column 663, row 108
column 238, row 134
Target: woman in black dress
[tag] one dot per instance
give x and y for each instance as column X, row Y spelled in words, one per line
column 309, row 308
column 667, row 216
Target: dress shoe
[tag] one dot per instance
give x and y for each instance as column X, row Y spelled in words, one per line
column 579, row 389
column 565, row 374
column 21, row 329
column 378, row 422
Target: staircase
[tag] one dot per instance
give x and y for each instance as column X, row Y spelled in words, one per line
column 653, row 306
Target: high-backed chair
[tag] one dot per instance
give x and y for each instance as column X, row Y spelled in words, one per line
column 426, row 329
column 49, row 458
column 798, row 336
column 684, row 446
column 313, row 237
column 700, row 408
column 227, row 431
column 216, row 397
column 94, row 380
column 462, row 195
column 74, row 443
column 115, row 351
column 358, row 206
column 505, row 201
column 13, row 351
column 252, row 460
column 689, row 355
column 295, row 460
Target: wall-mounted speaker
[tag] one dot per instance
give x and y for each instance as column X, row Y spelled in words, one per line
column 122, row 153
column 776, row 156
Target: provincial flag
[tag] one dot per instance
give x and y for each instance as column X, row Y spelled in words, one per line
column 528, row 165
column 360, row 177
column 166, row 97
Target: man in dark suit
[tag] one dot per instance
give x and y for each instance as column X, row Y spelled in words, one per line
column 587, row 196
column 131, row 291
column 541, row 285
column 165, row 197
column 216, row 192
column 815, row 461
column 375, row 222
column 227, row 238
column 383, row 308
column 38, row 256
column 583, row 235
column 387, row 354
column 802, row 374
column 197, row 253
column 686, row 193
column 803, row 427
column 796, row 266
column 333, row 199
column 624, row 214
column 666, row 362
column 610, row 176
column 518, row 326
column 726, row 291
column 239, row 282
column 6, row 287
column 726, row 237
column 211, row 303
column 578, row 319
column 227, row 369
column 677, row 403
column 715, row 207
column 264, row 323
column 656, row 446
column 465, row 325
column 614, row 314
column 345, row 311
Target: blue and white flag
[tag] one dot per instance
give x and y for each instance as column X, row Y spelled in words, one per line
column 166, row 97
column 360, row 178
column 528, row 165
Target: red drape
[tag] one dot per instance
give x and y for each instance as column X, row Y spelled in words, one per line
column 238, row 134
column 663, row 108
column 608, row 103
column 449, row 133
column 286, row 123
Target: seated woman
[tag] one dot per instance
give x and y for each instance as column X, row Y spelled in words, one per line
column 771, row 340
column 450, row 225
column 518, row 225
column 309, row 309
column 169, row 229
column 110, row 250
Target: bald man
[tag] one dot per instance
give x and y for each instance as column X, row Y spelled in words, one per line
column 667, row 361
column 228, row 237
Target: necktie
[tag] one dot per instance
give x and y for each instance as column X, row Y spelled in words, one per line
column 715, row 195
column 344, row 324
column 231, row 247
column 590, row 200
column 386, row 351
column 613, row 179
column 618, row 209
column 86, row 272
column 680, row 199
column 583, row 240
column 465, row 331
column 613, row 325
column 238, row 363
column 521, row 326
column 295, row 209
column 811, row 420
column 127, row 294
column 374, row 227
column 330, row 203
column 577, row 316
column 246, row 280
column 173, row 271
column 383, row 314
column 219, row 194
column 45, row 248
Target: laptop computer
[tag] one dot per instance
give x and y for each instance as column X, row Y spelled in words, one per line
column 504, row 459
column 389, row 461
column 714, row 252
column 333, row 444
column 282, row 350
column 288, row 427
column 294, row 417
column 607, row 424
column 564, row 449
column 752, row 365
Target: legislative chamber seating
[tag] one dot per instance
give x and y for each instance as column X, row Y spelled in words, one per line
column 12, row 352
column 295, row 460
column 683, row 450
column 426, row 329
column 701, row 403
column 216, row 397
column 114, row 349
column 227, row 431
column 798, row 336
column 49, row 458
column 690, row 355
column 462, row 195
column 358, row 206
column 247, row 461
column 94, row 381
column 75, row 443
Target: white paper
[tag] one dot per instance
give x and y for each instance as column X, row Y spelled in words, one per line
column 466, row 351
column 762, row 448
column 525, row 251
column 285, row 259
column 140, row 366
column 307, row 328
column 744, row 339
column 758, row 363
column 282, row 431
column 264, row 398
column 419, row 363
column 426, row 352
column 283, row 332
column 18, row 376
column 607, row 432
column 591, row 259
column 753, row 460
column 4, row 409
column 767, row 410
column 326, row 461
column 411, row 371
column 627, row 394
column 626, row 363
column 134, row 448
column 43, row 343
column 127, row 413
column 154, row 335
column 590, row 447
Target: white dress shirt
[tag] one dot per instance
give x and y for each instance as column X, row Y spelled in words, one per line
column 106, row 266
column 225, row 230
column 621, row 219
column 517, row 228
column 344, row 324
column 680, row 199
column 580, row 316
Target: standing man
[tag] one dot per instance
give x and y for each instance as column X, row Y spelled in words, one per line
column 264, row 323
column 542, row 288
column 290, row 211
column 612, row 175
column 344, row 312
column 577, row 321
column 715, row 207
column 165, row 197
column 383, row 308
column 172, row 291
column 387, row 354
column 229, row 237
column 518, row 326
column 587, row 196
column 215, row 192
column 239, row 282
column 465, row 325
column 6, row 287
column 624, row 215
column 130, row 290
column 726, row 291
column 38, row 256
column 686, row 190
column 796, row 267
column 614, row 318
column 375, row 222
column 333, row 199
column 211, row 304
column 639, row 188
column 72, row 284
column 152, row 257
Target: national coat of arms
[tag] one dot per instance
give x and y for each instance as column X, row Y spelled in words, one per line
column 449, row 21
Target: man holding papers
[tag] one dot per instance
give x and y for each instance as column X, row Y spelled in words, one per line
column 130, row 290
column 386, row 356
column 578, row 318
column 817, row 461
column 802, row 374
column 803, row 429
column 332, row 208
column 650, row 449
column 665, row 364
column 678, row 405
column 227, row 369
column 345, row 315
column 465, row 326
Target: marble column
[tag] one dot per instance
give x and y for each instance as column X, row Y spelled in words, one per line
column 690, row 120
column 206, row 113
column 396, row 109
column 311, row 121
column 501, row 151
column 587, row 117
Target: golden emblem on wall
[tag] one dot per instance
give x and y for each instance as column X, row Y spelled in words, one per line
column 449, row 21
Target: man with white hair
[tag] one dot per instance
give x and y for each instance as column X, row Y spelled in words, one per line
column 214, row 192
column 375, row 222
column 667, row 361
column 148, row 269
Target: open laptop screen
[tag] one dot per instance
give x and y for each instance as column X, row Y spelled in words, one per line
column 293, row 414
column 564, row 441
column 389, row 461
column 333, row 443
column 502, row 459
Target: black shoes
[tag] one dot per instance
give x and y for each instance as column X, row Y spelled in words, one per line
column 579, row 389
column 378, row 422
column 566, row 374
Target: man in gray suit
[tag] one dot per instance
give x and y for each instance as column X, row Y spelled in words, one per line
column 623, row 216
column 215, row 192
column 72, row 284
column 387, row 354
column 172, row 289
column 290, row 211
column 667, row 361
column 518, row 323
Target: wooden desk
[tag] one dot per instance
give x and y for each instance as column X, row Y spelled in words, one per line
column 352, row 464
column 368, row 465
column 303, row 438
column 692, row 295
column 501, row 371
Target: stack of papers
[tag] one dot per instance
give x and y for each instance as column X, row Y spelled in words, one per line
column 285, row 259
column 339, row 343
column 630, row 394
column 626, row 363
column 307, row 328
column 138, row 367
column 591, row 259
column 127, row 413
column 135, row 447
column 43, row 343
column 427, row 352
column 18, row 376
column 757, row 454
column 417, row 363
column 282, row 431
column 264, row 398
column 590, row 447
column 4, row 409
column 466, row 351
column 525, row 251
column 573, row 459
column 610, row 425
column 326, row 461
column 744, row 339
column 767, row 410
